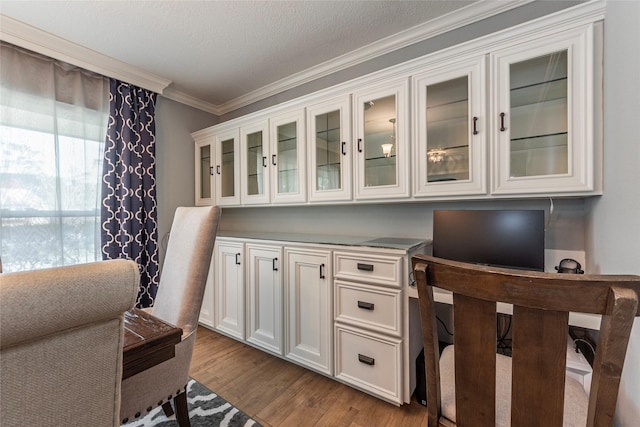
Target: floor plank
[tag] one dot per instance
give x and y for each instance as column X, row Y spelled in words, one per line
column 276, row 392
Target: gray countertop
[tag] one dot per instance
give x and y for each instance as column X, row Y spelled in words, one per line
column 402, row 243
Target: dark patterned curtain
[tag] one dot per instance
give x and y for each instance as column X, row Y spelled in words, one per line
column 129, row 212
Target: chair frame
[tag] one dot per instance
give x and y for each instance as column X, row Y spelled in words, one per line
column 541, row 305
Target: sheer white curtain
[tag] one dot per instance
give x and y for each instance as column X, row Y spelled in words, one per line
column 53, row 120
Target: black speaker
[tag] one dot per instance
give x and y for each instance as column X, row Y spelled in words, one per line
column 421, row 380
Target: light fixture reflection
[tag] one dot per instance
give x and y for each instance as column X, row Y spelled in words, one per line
column 386, row 148
column 436, row 155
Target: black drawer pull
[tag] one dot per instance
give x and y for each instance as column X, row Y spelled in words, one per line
column 274, row 264
column 238, row 259
column 365, row 305
column 366, row 359
column 365, row 267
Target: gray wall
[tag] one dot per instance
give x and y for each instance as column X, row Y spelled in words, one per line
column 613, row 223
column 175, row 153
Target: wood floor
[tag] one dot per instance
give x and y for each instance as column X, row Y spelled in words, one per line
column 275, row 392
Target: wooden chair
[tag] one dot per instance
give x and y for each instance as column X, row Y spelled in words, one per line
column 531, row 387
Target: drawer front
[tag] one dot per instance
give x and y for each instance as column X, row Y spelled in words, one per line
column 369, row 362
column 380, row 270
column 369, row 307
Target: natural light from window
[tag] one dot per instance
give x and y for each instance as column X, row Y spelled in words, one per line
column 49, row 199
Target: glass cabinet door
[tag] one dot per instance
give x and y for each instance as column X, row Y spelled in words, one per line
column 329, row 160
column 204, row 172
column 382, row 168
column 255, row 162
column 287, row 161
column 227, row 168
column 450, row 143
column 542, row 115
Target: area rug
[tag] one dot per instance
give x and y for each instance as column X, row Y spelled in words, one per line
column 206, row 409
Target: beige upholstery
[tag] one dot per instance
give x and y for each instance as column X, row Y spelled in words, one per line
column 575, row 404
column 61, row 343
column 178, row 302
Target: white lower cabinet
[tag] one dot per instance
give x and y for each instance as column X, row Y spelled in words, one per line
column 308, row 303
column 370, row 361
column 264, row 305
column 368, row 323
column 229, row 289
column 207, row 310
column 335, row 308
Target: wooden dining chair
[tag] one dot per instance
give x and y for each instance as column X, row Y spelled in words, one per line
column 470, row 385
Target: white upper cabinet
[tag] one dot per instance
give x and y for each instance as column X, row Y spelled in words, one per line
column 542, row 115
column 204, row 163
column 287, row 162
column 330, row 150
column 254, row 161
column 227, row 170
column 449, row 147
column 381, row 134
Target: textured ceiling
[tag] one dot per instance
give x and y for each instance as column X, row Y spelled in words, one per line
column 217, row 51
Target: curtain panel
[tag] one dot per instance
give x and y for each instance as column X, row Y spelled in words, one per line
column 53, row 119
column 129, row 211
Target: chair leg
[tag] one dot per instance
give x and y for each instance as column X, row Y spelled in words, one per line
column 182, row 411
column 167, row 408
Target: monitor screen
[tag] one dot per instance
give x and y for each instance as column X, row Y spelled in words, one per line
column 502, row 238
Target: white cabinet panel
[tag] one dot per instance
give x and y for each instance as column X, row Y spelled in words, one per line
column 230, row 288
column 309, row 319
column 265, row 309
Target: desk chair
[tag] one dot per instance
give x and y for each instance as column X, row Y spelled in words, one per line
column 178, row 301
column 469, row 385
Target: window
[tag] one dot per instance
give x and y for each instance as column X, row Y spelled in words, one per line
column 51, row 150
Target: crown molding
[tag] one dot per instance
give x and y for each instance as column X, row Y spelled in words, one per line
column 191, row 101
column 451, row 21
column 37, row 40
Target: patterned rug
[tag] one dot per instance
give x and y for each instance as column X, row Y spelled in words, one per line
column 206, row 409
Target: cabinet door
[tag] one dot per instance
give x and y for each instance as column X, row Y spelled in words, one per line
column 254, row 142
column 450, row 150
column 207, row 310
column 227, row 168
column 287, row 163
column 329, row 130
column 543, row 115
column 381, row 135
column 265, row 309
column 229, row 289
column 308, row 318
column 204, row 172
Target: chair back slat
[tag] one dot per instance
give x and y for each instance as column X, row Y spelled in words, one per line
column 613, row 338
column 474, row 331
column 541, row 305
column 431, row 352
column 539, row 366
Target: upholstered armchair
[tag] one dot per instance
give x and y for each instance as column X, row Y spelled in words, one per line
column 178, row 301
column 61, row 332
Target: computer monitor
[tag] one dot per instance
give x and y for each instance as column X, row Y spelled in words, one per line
column 502, row 238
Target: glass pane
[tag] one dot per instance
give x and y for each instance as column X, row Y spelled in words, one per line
column 448, row 130
column 205, row 173
column 379, row 143
column 539, row 116
column 287, row 158
column 328, row 166
column 255, row 165
column 228, row 173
